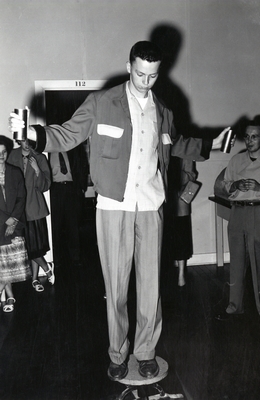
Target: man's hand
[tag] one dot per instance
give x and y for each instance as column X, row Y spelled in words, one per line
column 246, row 184
column 34, row 165
column 217, row 142
column 252, row 184
column 16, row 123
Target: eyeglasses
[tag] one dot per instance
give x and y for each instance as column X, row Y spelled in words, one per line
column 251, row 137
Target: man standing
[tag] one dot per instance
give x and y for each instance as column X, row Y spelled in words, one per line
column 131, row 137
column 242, row 184
column 69, row 183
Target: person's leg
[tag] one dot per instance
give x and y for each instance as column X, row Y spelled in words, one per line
column 116, row 243
column 9, row 290
column 181, row 276
column 35, row 270
column 47, row 267
column 2, row 286
column 72, row 224
column 148, row 241
column 36, row 284
column 238, row 248
column 10, row 300
column 253, row 219
column 58, row 198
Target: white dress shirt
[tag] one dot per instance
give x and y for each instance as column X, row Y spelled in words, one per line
column 144, row 186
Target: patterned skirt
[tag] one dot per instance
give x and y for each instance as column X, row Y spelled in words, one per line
column 14, row 265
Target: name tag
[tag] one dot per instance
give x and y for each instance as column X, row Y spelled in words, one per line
column 166, row 139
column 110, row 130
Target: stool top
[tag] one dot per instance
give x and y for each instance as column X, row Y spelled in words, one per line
column 133, row 378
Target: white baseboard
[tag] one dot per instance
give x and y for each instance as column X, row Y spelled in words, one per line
column 210, row 258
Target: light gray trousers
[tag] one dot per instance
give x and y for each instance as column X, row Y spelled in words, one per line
column 124, row 236
column 244, row 246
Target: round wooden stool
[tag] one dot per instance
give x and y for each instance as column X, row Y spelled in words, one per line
column 135, row 382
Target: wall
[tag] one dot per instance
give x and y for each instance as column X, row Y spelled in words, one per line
column 217, row 67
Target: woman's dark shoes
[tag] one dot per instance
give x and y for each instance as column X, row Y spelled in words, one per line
column 116, row 372
column 148, row 368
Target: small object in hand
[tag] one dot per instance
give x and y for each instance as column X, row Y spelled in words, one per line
column 227, row 142
column 21, row 134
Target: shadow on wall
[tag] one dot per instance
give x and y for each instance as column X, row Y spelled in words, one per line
column 170, row 39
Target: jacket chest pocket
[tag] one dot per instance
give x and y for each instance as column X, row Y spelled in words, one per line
column 109, row 139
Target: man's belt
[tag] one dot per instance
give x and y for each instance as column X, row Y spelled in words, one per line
column 64, row 182
column 245, row 203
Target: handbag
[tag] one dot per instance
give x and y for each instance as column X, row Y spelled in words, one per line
column 189, row 192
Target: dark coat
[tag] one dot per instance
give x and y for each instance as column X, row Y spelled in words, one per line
column 14, row 205
column 36, row 207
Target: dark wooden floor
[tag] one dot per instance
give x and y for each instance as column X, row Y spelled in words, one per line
column 54, row 345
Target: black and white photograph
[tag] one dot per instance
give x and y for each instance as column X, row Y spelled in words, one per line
column 130, row 200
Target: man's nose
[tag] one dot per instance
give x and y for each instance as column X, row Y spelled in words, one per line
column 146, row 80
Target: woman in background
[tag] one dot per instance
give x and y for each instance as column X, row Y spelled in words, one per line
column 14, row 266
column 37, row 175
column 180, row 172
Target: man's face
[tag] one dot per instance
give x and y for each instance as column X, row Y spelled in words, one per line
column 143, row 75
column 252, row 138
column 25, row 145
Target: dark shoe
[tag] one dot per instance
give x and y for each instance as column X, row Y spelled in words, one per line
column 227, row 317
column 223, row 316
column 116, row 372
column 148, row 368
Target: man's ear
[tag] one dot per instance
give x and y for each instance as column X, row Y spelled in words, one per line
column 128, row 67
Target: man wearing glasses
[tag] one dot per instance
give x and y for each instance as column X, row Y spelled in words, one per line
column 242, row 183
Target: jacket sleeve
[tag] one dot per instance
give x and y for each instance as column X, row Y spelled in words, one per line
column 188, row 171
column 42, row 182
column 55, row 138
column 191, row 148
column 230, row 176
column 20, row 198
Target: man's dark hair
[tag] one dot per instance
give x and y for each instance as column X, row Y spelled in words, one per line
column 146, row 51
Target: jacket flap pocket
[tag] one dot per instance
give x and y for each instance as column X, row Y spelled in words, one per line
column 109, row 130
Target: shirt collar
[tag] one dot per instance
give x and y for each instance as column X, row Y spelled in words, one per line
column 131, row 95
